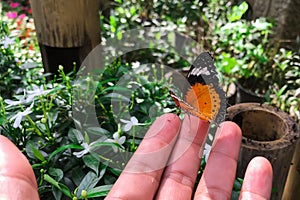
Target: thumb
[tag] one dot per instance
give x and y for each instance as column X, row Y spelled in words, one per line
column 17, row 179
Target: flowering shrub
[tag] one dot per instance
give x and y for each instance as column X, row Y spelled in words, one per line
column 19, row 16
column 39, row 119
column 17, row 8
column 19, row 53
column 38, row 115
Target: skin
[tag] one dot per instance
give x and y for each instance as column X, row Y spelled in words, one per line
column 164, row 166
column 17, row 179
column 176, row 181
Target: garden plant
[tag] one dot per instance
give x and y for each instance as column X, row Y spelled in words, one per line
column 37, row 113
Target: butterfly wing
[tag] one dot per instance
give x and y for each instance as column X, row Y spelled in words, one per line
column 203, row 70
column 188, row 108
column 203, row 98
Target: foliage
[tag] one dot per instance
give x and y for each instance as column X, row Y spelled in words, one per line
column 244, row 53
column 20, row 57
column 15, row 8
column 40, row 122
column 8, row 63
column 178, row 15
column 287, row 94
column 241, row 45
column 38, row 114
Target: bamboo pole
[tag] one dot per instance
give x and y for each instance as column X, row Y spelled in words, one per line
column 267, row 132
column 291, row 190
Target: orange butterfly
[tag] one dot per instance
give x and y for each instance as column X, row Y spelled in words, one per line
column 204, row 97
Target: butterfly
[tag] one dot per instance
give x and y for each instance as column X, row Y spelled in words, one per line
column 203, row 98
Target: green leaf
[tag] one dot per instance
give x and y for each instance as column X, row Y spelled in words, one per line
column 75, row 136
column 227, row 63
column 57, row 173
column 132, row 10
column 37, row 153
column 100, row 191
column 115, row 88
column 235, row 195
column 238, row 11
column 56, row 193
column 237, row 185
column 86, row 138
column 64, row 189
column 119, row 35
column 113, row 23
column 115, row 171
column 279, row 93
column 2, row 120
column 99, row 144
column 97, row 131
column 88, row 182
column 63, row 148
column 77, row 175
column 115, row 97
column 92, row 162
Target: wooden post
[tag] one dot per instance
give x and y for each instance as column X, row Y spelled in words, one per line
column 67, row 30
column 291, row 190
column 267, row 132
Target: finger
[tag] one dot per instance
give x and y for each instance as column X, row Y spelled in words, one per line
column 219, row 174
column 17, row 179
column 180, row 175
column 141, row 176
column 258, row 180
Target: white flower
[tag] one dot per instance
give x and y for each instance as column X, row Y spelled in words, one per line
column 206, row 152
column 135, row 64
column 90, row 147
column 14, row 103
column 22, row 100
column 18, row 117
column 86, row 149
column 37, row 91
column 129, row 124
column 29, row 65
column 118, row 140
column 7, row 41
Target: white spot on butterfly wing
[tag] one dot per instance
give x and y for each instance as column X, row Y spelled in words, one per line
column 200, row 71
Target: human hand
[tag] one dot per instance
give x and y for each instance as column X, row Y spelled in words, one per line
column 164, row 169
column 17, row 180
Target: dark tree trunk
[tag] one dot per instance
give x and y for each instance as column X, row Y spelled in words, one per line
column 66, row 30
column 286, row 14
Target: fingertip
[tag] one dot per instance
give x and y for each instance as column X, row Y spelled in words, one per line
column 260, row 162
column 16, row 173
column 262, row 166
column 232, row 127
column 170, row 117
column 165, row 123
column 164, row 129
column 258, row 179
column 14, row 163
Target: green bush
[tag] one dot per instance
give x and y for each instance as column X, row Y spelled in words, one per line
column 38, row 114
